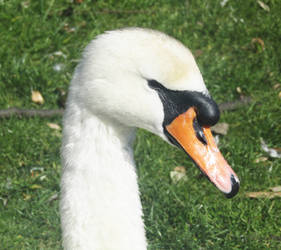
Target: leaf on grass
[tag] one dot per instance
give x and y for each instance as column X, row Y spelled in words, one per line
column 35, row 186
column 4, row 200
column 26, row 197
column 178, row 174
column 37, row 97
column 58, row 67
column 276, row 86
column 69, row 29
column 59, row 53
column 275, row 189
column 258, row 41
column 271, row 151
column 21, row 163
column 37, row 169
column 43, row 177
column 57, row 129
column 53, row 197
column 223, row 3
column 238, row 89
column 53, row 126
column 25, row 4
column 279, row 94
column 260, row 159
column 220, row 128
column 263, row 194
column 263, row 6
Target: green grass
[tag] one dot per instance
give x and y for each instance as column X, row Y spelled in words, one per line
column 190, row 215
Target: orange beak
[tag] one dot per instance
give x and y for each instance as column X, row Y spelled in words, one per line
column 204, row 152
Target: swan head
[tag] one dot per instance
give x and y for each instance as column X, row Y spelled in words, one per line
column 146, row 79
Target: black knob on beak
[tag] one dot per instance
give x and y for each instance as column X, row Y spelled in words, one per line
column 208, row 113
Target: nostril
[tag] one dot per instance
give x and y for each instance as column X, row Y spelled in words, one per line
column 199, row 132
column 235, row 187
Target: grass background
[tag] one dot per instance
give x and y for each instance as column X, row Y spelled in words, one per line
column 190, row 215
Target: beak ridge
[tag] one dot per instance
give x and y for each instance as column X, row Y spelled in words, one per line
column 204, row 152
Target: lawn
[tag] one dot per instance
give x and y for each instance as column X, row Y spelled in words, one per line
column 237, row 47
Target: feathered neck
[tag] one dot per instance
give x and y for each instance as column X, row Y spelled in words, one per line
column 100, row 199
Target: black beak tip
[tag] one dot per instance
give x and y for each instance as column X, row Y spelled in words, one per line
column 235, row 187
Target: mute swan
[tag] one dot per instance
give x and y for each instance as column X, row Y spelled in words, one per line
column 127, row 79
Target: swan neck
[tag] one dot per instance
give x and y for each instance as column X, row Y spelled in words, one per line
column 100, row 196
